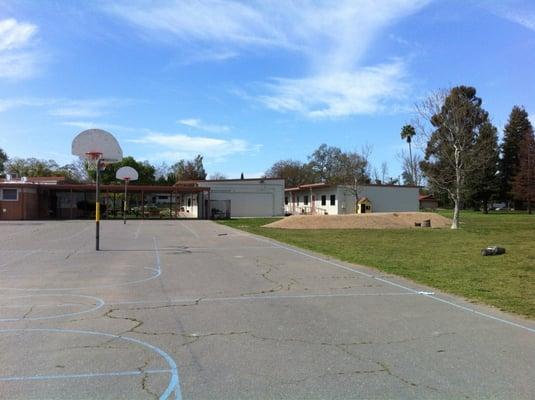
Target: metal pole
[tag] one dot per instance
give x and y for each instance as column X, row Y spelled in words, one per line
column 97, row 207
column 124, row 210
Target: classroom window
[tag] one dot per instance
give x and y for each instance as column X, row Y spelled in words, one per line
column 305, row 200
column 189, row 202
column 9, row 194
column 333, row 200
column 323, row 200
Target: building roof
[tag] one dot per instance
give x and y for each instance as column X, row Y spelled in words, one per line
column 322, row 185
column 195, row 182
column 109, row 188
column 427, row 197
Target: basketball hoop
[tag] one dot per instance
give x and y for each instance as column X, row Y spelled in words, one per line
column 126, row 174
column 100, row 148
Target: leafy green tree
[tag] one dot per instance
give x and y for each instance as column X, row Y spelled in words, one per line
column 189, row 170
column 455, row 117
column 293, row 172
column 144, row 169
column 31, row 167
column 482, row 181
column 524, row 181
column 514, row 131
column 3, row 160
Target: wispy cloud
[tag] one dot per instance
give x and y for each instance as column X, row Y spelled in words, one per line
column 199, row 124
column 67, row 108
column 517, row 12
column 18, row 57
column 102, row 125
column 363, row 91
column 206, row 20
column 331, row 38
column 178, row 146
column 88, row 108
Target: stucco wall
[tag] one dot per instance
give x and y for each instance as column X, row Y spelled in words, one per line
column 249, row 198
column 391, row 198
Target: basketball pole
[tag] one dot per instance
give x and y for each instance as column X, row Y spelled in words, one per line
column 125, row 194
column 97, row 207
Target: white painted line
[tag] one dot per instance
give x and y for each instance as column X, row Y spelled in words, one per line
column 98, row 304
column 189, row 229
column 434, row 297
column 138, row 230
column 87, row 375
column 174, row 383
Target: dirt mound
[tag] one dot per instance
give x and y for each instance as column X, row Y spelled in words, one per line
column 398, row 220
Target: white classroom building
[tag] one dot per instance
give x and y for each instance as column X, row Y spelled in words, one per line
column 326, row 199
column 229, row 198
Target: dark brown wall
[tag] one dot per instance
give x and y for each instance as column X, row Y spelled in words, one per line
column 11, row 209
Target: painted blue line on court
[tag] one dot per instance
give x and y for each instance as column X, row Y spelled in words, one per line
column 82, row 376
column 174, row 383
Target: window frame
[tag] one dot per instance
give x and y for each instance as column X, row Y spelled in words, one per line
column 3, row 198
column 332, row 200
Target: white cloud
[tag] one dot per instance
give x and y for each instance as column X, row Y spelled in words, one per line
column 517, row 13
column 363, row 91
column 198, row 124
column 208, row 20
column 87, row 108
column 179, row 146
column 67, row 108
column 18, row 58
column 332, row 38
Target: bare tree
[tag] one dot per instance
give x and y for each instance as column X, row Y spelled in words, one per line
column 218, row 176
column 384, row 171
column 410, row 166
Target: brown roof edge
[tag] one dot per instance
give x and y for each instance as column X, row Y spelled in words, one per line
column 115, row 188
column 229, row 180
column 327, row 185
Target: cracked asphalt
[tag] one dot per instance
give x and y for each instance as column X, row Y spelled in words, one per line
column 160, row 313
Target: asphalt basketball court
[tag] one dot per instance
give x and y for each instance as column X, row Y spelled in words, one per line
column 196, row 310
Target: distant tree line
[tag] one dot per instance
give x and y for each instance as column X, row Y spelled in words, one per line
column 81, row 171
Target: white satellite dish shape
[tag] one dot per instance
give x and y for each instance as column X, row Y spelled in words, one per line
column 97, row 141
column 127, row 174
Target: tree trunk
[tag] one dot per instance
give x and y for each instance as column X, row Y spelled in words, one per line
column 455, row 222
column 457, row 194
column 485, row 207
column 412, row 165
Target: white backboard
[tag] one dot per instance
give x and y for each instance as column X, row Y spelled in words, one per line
column 127, row 173
column 97, row 141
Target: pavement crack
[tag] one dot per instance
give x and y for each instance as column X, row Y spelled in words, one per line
column 195, row 303
column 144, row 380
column 27, row 312
column 405, row 381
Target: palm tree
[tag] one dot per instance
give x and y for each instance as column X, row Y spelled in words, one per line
column 407, row 132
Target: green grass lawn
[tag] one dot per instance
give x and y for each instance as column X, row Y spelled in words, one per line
column 441, row 258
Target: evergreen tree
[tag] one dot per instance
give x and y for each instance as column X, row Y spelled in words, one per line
column 523, row 187
column 3, row 160
column 482, row 181
column 514, row 131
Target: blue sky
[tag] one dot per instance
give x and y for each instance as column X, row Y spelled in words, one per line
column 249, row 83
